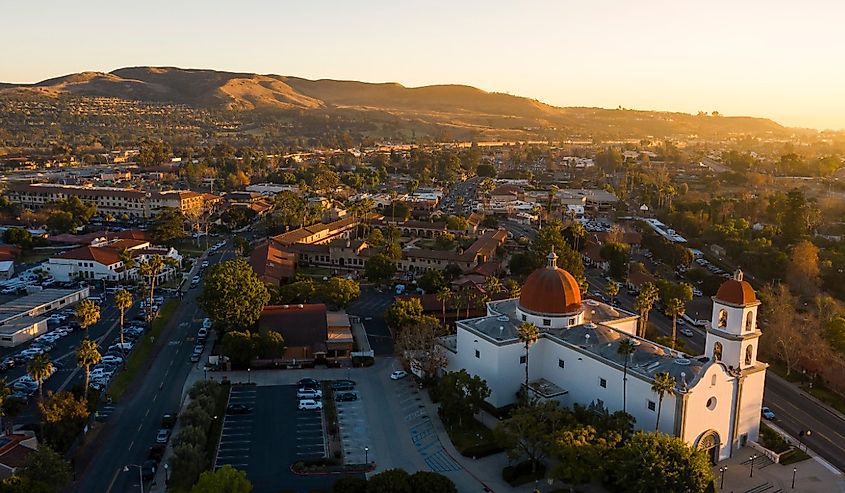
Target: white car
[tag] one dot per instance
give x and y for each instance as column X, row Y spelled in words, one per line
column 398, row 375
column 207, row 323
column 310, row 405
column 204, row 264
column 305, row 393
column 697, row 292
column 687, row 332
column 112, row 360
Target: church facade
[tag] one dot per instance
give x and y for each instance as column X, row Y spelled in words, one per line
column 714, row 405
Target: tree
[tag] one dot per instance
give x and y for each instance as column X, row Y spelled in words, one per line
column 168, row 225
column 650, row 462
column 270, row 344
column 612, row 290
column 486, row 170
column 404, row 314
column 444, row 294
column 431, row 281
column 431, row 482
column 379, row 268
column 339, row 292
column 350, row 485
column 233, row 296
column 578, row 232
column 493, row 285
column 63, row 415
column 550, row 238
column 626, row 348
column 87, row 355
column 61, row 222
column 226, row 479
column 17, row 236
column 675, row 308
column 419, row 344
column 616, row 255
column 390, row 481
column 785, row 338
column 47, row 467
column 240, row 347
column 150, row 269
column 461, row 395
column 644, row 303
column 457, row 223
column 513, row 288
column 187, row 463
column 530, row 430
column 122, row 301
column 663, row 383
column 40, row 368
column 87, row 314
column 527, row 333
column 581, row 452
column 803, row 272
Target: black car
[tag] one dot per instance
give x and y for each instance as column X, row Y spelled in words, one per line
column 168, row 421
column 345, row 397
column 148, row 469
column 343, row 385
column 309, row 383
column 156, row 452
column 238, row 409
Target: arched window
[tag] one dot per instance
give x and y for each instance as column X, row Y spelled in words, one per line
column 717, row 351
column 723, row 318
column 749, row 322
column 749, row 354
column 713, row 380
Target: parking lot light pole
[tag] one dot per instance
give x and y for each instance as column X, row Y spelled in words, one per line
column 722, row 470
column 140, row 474
column 794, row 471
column 249, row 375
column 751, row 474
column 366, row 455
column 166, row 473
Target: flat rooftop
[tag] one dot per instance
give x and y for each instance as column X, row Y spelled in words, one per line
column 19, row 324
column 32, row 301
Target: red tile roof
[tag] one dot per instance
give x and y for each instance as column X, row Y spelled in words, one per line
column 103, row 255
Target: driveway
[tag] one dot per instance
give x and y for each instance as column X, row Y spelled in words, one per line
column 370, row 307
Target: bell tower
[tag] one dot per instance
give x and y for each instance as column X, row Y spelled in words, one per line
column 733, row 337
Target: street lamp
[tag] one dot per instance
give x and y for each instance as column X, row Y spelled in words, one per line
column 722, row 470
column 140, row 474
column 801, row 435
column 794, row 470
column 249, row 375
column 166, row 473
column 751, row 475
column 366, row 455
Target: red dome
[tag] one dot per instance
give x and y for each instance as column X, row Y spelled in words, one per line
column 736, row 291
column 550, row 290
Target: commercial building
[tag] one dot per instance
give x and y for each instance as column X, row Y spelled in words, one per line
column 311, row 333
column 715, row 401
column 25, row 318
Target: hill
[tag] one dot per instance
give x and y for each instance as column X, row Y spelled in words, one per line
column 458, row 108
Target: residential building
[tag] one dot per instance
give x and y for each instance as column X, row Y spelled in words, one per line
column 716, row 399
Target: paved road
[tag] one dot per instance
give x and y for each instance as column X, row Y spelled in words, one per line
column 132, row 427
column 371, row 307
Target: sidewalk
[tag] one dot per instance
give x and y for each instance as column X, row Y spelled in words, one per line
column 811, row 476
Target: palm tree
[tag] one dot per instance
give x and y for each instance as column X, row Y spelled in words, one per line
column 663, row 383
column 123, row 301
column 126, row 258
column 87, row 355
column 40, row 368
column 493, row 285
column 527, row 333
column 675, row 308
column 552, row 192
column 612, row 290
column 150, row 269
column 579, row 232
column 644, row 303
column 443, row 296
column 87, row 314
column 513, row 288
column 626, row 348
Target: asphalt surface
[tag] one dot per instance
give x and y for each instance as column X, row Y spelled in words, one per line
column 132, row 426
column 371, row 307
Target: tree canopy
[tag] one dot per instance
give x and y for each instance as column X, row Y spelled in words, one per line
column 226, row 479
column 233, row 296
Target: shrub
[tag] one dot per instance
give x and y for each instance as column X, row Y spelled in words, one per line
column 521, row 473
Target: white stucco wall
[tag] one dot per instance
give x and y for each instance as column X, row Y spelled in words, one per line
column 700, row 418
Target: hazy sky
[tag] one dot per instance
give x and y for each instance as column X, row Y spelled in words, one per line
column 773, row 58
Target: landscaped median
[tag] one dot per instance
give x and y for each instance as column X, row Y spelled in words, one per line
column 141, row 351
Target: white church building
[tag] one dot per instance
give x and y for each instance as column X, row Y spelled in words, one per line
column 715, row 405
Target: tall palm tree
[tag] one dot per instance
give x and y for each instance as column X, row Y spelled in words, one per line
column 87, row 314
column 493, row 285
column 150, row 269
column 87, row 355
column 40, row 368
column 663, row 383
column 644, row 304
column 128, row 261
column 675, row 308
column 123, row 301
column 513, row 288
column 612, row 290
column 443, row 296
column 626, row 348
column 579, row 232
column 527, row 333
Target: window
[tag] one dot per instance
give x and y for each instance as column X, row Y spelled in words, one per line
column 723, row 318
column 524, row 318
column 749, row 354
column 717, row 351
column 602, row 383
column 749, row 322
column 477, row 354
column 713, row 380
column 651, row 405
column 571, row 321
column 711, row 403
column 547, row 322
column 561, row 363
column 522, row 360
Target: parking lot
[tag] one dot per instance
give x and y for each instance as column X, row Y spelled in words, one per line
column 355, row 432
column 234, row 448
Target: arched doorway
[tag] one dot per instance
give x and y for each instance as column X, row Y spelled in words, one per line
column 708, row 443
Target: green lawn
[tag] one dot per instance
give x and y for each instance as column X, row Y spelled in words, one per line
column 433, row 245
column 792, row 457
column 472, row 438
column 142, row 350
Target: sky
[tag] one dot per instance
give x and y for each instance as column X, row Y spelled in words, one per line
column 777, row 59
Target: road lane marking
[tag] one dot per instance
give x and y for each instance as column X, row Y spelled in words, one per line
column 131, row 444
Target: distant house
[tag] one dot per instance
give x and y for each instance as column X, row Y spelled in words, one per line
column 7, row 269
column 272, row 264
column 311, row 333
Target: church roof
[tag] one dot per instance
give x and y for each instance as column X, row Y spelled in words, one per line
column 550, row 290
column 736, row 291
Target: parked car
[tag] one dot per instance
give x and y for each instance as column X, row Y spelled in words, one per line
column 238, row 409
column 308, row 383
column 345, row 397
column 207, row 323
column 163, row 435
column 168, row 421
column 198, row 349
column 687, row 332
column 306, row 393
column 310, row 405
column 110, row 359
column 156, row 452
column 398, row 375
column 204, row 264
column 202, row 333
column 768, row 413
column 148, row 470
column 343, row 385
